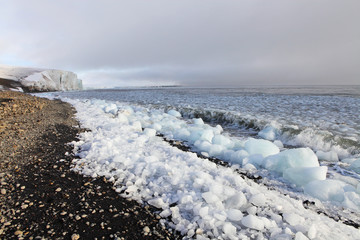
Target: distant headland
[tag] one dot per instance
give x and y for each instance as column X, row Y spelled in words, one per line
column 37, row 79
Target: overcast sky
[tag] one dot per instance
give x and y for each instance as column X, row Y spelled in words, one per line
column 188, row 42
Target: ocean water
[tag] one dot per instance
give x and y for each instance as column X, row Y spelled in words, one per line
column 324, row 118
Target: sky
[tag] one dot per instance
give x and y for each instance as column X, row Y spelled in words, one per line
column 200, row 43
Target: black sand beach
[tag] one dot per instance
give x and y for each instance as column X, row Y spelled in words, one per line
column 41, row 198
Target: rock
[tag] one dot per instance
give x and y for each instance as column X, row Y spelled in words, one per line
column 146, row 230
column 24, row 206
column 18, row 232
column 75, row 236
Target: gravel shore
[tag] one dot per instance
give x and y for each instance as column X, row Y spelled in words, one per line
column 41, row 198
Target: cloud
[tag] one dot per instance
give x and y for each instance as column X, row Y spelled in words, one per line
column 187, row 42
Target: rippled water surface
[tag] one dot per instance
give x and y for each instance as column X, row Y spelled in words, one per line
column 323, row 118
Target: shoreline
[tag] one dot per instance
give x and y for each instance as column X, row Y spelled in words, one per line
column 42, row 197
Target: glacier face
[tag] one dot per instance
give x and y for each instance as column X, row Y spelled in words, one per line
column 38, row 80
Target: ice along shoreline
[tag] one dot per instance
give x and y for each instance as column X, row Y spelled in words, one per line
column 196, row 206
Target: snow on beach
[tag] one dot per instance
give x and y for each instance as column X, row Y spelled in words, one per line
column 197, row 197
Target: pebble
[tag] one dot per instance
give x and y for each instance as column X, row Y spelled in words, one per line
column 24, row 206
column 75, row 236
column 146, row 230
column 3, row 191
column 58, row 189
column 18, row 232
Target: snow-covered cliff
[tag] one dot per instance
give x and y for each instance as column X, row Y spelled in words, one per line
column 38, row 80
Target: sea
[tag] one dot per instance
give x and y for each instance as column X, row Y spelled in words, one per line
column 324, row 118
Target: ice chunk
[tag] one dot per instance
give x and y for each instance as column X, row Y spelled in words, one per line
column 222, row 140
column 218, row 129
column 252, row 210
column 249, row 167
column 253, row 222
column 261, row 146
column 236, row 201
column 229, row 229
column 255, row 160
column 182, row 133
column 137, row 126
column 300, row 236
column 111, row 108
column 258, row 199
column 355, row 166
column 204, row 146
column 303, row 175
column 352, row 200
column 293, row 219
column 234, row 215
column 220, row 217
column 127, row 110
column 157, row 202
column 327, row 156
column 174, row 113
column 122, row 118
column 204, row 211
column 156, row 126
column 195, row 134
column 328, row 190
column 292, row 158
column 349, row 160
column 216, row 150
column 312, row 232
column 165, row 213
column 279, row 143
column 149, row 132
column 210, row 197
column 269, row 133
column 238, row 156
column 207, row 135
column 198, row 121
